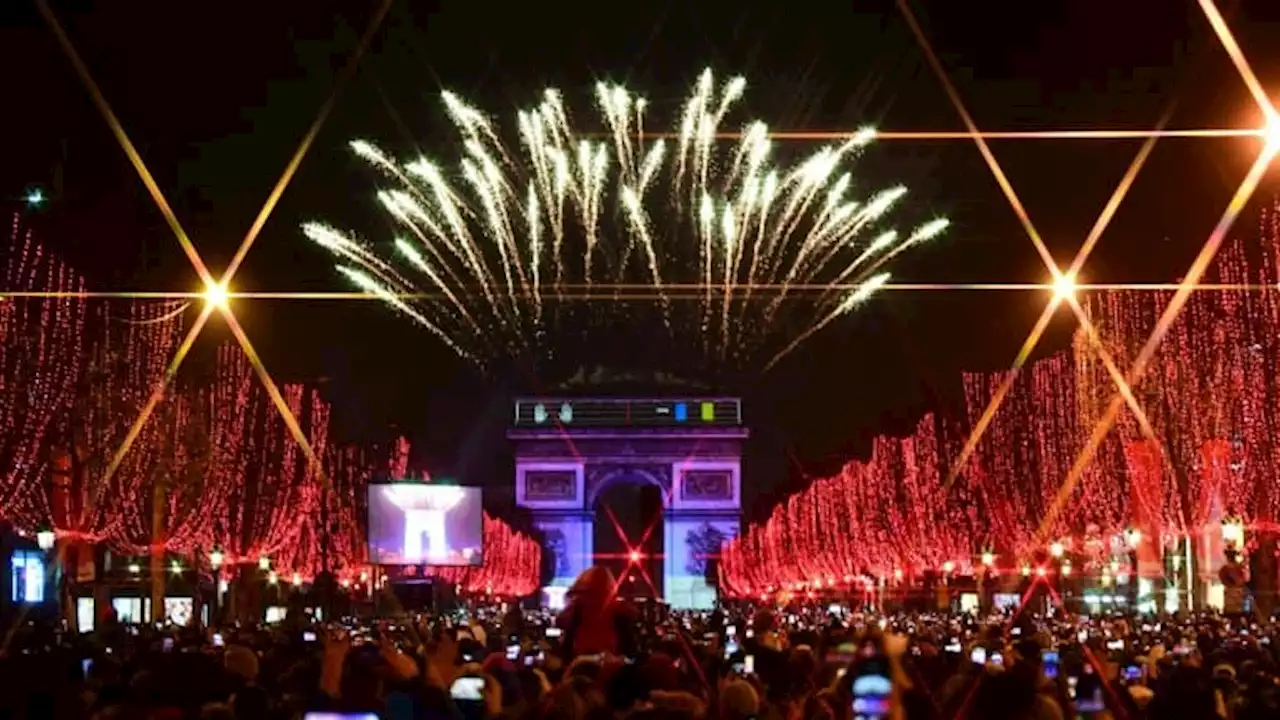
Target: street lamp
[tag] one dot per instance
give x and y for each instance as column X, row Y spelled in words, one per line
column 215, row 563
column 1133, row 537
column 988, row 558
column 45, row 539
column 1056, row 549
column 1233, row 534
column 264, row 563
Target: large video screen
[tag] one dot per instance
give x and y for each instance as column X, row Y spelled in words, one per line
column 419, row 524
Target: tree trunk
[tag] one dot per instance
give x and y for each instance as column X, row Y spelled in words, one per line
column 157, row 551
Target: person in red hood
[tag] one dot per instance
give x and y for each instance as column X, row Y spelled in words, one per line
column 595, row 621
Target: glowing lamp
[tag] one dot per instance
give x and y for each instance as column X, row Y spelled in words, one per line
column 1066, row 569
column 264, row 563
column 35, row 198
column 897, row 574
column 135, row 568
column 45, row 539
column 346, row 582
column 1233, row 533
column 175, row 567
column 988, row 559
column 297, row 579
column 215, row 558
column 1133, row 537
column 272, row 577
column 948, row 567
column 636, row 556
column 1115, row 566
column 1041, row 571
column 1271, row 134
column 1064, row 287
column 1056, row 549
column 215, row 295
column 1026, row 571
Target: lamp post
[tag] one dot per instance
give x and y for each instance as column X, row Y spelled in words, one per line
column 215, row 564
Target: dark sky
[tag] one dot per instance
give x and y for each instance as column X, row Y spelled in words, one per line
column 217, row 95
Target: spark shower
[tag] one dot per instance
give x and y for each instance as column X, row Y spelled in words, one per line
column 738, row 258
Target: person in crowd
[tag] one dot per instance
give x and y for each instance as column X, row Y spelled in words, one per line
column 791, row 662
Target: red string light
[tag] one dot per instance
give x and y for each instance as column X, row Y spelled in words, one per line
column 40, row 361
column 1212, row 397
column 215, row 453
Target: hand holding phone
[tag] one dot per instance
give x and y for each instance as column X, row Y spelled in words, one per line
column 467, row 688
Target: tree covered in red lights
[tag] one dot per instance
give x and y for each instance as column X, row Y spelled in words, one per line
column 41, row 348
column 876, row 517
column 213, row 465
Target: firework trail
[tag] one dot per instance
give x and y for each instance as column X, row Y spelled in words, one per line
column 741, row 258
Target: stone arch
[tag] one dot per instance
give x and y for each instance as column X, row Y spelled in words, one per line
column 624, row 474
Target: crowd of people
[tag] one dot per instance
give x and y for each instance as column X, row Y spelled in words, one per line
column 605, row 658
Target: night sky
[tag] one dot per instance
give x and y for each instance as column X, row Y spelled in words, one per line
column 217, row 95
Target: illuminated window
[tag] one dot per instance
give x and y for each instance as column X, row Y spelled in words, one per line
column 128, row 610
column 84, row 614
column 27, row 576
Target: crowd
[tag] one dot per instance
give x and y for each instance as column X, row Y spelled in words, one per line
column 603, row 658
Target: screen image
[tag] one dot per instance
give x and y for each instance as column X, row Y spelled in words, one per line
column 417, row 524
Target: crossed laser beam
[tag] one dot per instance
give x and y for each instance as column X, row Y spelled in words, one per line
column 219, row 287
column 216, row 293
column 1190, row 282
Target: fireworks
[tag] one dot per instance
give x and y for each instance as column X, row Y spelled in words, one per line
column 738, row 257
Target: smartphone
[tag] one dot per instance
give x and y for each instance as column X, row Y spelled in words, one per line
column 217, row 639
column 553, row 632
column 730, row 648
column 166, row 645
column 513, row 651
column 528, row 660
column 872, row 691
column 1132, row 673
column 978, row 656
column 1115, row 644
column 749, row 665
column 731, row 631
column 86, row 665
column 953, row 646
column 1049, row 658
column 308, row 636
column 1017, row 631
column 467, row 688
column 997, row 659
